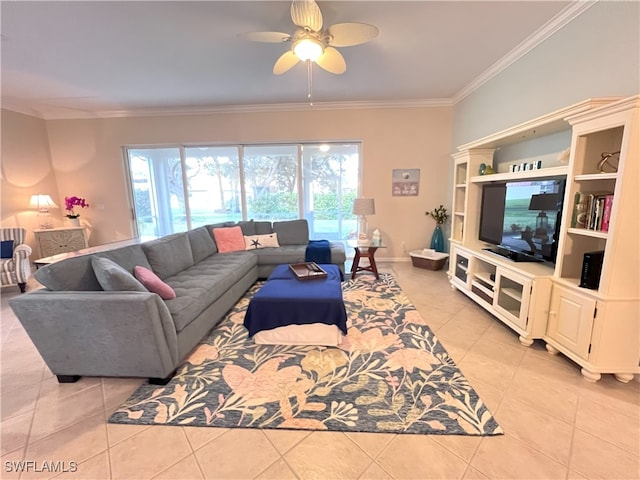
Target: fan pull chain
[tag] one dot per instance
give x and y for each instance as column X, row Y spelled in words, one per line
column 309, row 83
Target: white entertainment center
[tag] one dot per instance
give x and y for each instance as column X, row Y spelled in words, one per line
column 597, row 327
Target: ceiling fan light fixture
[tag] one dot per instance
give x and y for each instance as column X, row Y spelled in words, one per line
column 308, row 49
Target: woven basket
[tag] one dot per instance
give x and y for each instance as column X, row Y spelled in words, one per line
column 434, row 262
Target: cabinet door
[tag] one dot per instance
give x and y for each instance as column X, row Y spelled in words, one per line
column 57, row 241
column 571, row 320
column 461, row 269
column 512, row 297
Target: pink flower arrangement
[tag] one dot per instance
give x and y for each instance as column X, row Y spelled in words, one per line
column 70, row 202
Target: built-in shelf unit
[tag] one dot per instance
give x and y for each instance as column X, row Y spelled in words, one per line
column 597, row 328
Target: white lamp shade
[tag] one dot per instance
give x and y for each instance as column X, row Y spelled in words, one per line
column 364, row 206
column 308, row 49
column 41, row 201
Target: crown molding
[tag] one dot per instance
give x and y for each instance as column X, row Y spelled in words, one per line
column 212, row 110
column 567, row 15
column 17, row 107
column 276, row 107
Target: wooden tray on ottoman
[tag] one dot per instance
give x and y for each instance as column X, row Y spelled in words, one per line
column 307, row 271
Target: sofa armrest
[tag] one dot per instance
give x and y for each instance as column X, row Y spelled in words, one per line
column 100, row 333
column 21, row 256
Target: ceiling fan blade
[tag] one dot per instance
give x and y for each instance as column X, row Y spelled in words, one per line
column 306, row 13
column 349, row 34
column 286, row 61
column 268, row 37
column 332, row 61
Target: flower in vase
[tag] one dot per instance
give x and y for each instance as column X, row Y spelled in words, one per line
column 71, row 202
column 439, row 214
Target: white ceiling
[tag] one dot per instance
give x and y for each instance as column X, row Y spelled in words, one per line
column 77, row 59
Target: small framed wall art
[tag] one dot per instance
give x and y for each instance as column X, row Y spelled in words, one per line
column 405, row 182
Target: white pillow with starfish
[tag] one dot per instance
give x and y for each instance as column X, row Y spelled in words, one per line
column 253, row 242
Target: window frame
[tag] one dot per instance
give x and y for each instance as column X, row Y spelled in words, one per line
column 182, row 147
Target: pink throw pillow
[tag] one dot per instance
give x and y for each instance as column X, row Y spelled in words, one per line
column 153, row 283
column 229, row 239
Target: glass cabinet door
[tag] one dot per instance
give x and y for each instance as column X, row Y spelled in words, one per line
column 512, row 299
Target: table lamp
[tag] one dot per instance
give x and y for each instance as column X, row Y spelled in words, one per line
column 363, row 207
column 43, row 203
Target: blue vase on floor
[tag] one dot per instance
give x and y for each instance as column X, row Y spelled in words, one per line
column 437, row 240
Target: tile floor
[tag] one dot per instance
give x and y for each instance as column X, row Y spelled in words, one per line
column 557, row 425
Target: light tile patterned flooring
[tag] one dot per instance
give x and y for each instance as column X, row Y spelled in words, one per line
column 557, row 425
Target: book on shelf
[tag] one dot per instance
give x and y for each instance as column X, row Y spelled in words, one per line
column 595, row 210
column 606, row 213
column 592, row 211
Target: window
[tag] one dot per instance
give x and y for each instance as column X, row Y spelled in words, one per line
column 179, row 188
column 213, row 185
column 271, row 181
column 158, row 192
column 330, row 184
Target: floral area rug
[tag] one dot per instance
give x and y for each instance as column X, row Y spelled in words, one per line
column 390, row 374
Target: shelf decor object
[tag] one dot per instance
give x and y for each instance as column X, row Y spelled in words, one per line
column 605, row 165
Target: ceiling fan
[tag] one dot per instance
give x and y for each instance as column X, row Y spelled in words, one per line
column 310, row 43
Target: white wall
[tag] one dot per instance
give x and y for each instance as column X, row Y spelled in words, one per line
column 596, row 55
column 87, row 158
column 26, row 170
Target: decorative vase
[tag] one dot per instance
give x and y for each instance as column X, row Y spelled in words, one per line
column 437, row 239
column 73, row 222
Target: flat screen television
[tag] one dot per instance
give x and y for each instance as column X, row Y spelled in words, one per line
column 522, row 218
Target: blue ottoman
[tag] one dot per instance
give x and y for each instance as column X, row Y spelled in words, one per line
column 298, row 312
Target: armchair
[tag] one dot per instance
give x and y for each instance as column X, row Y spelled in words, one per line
column 15, row 270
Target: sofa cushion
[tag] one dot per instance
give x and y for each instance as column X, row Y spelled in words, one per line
column 229, row 239
column 248, row 227
column 292, row 232
column 6, row 249
column 169, row 255
column 216, row 225
column 261, row 241
column 76, row 273
column 112, row 277
column 199, row 286
column 153, row 283
column 127, row 257
column 202, row 244
column 263, row 228
column 278, row 256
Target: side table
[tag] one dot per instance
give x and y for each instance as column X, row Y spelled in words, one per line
column 368, row 252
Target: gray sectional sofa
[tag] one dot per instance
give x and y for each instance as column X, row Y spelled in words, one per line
column 82, row 328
